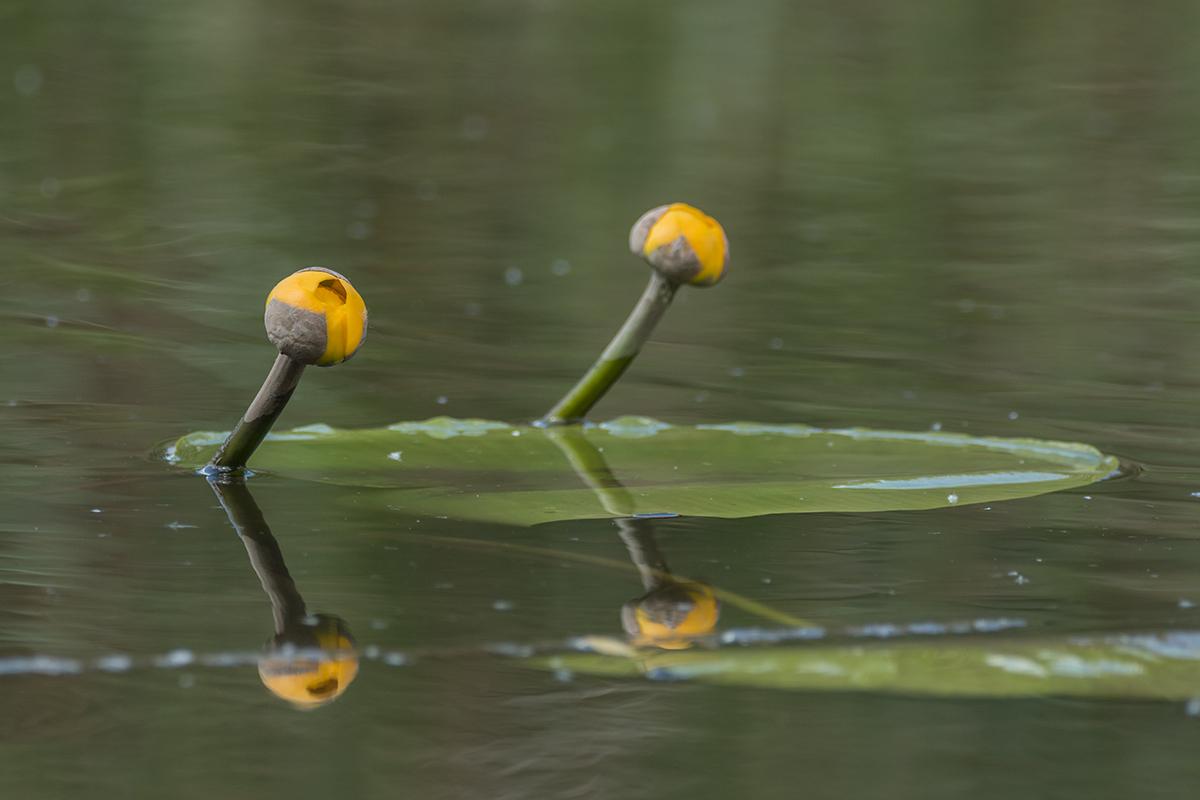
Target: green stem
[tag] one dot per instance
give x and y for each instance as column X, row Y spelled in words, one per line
column 617, row 356
column 256, row 423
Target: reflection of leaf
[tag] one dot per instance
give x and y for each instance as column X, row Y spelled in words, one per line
column 475, row 469
column 1151, row 666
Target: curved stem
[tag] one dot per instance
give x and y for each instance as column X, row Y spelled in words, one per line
column 617, row 356
column 256, row 423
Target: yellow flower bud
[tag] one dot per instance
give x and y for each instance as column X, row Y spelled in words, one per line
column 316, row 317
column 670, row 616
column 683, row 243
column 310, row 679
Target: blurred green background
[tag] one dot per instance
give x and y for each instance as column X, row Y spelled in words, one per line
column 978, row 215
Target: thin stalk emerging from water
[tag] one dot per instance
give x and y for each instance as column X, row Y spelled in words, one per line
column 684, row 246
column 253, row 427
column 618, row 355
column 313, row 316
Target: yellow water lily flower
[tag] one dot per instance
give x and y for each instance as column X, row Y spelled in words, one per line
column 316, row 317
column 683, row 243
column 670, row 617
column 685, row 246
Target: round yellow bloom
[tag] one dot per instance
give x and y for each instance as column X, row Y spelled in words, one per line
column 316, row 317
column 309, row 678
column 683, row 243
column 670, row 617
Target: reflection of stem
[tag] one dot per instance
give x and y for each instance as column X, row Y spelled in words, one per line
column 260, row 416
column 590, row 466
column 287, row 605
column 310, row 660
column 617, row 356
column 643, row 549
column 638, row 534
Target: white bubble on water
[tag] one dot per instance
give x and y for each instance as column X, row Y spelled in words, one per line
column 117, row 662
column 40, row 665
column 180, row 657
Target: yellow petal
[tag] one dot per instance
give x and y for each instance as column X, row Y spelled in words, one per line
column 330, row 296
column 703, row 235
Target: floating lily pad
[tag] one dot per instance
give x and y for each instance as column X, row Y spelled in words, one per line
column 1162, row 666
column 518, row 474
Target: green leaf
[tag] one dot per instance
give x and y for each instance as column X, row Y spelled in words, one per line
column 1164, row 666
column 524, row 475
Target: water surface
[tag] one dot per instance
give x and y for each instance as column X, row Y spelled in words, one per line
column 968, row 217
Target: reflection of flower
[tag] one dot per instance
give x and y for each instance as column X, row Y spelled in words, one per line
column 683, row 243
column 315, row 670
column 670, row 616
column 316, row 317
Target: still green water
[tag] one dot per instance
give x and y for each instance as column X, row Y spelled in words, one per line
column 975, row 216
